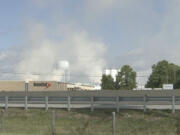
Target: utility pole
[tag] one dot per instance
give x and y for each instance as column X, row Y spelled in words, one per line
column 53, row 123
column 167, row 77
column 65, row 75
column 174, row 75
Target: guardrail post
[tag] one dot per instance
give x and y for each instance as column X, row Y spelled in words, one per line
column 92, row 104
column 117, row 104
column 69, row 103
column 6, row 102
column 113, row 123
column 145, row 100
column 173, row 104
column 26, row 103
column 46, row 103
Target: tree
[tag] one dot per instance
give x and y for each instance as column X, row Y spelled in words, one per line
column 126, row 78
column 107, row 82
column 162, row 73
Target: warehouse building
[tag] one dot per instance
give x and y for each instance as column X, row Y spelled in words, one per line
column 12, row 85
column 42, row 86
column 77, row 86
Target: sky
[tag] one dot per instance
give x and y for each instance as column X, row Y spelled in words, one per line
column 91, row 35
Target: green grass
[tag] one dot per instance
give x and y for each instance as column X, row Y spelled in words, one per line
column 84, row 122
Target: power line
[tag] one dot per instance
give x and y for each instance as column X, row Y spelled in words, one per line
column 62, row 75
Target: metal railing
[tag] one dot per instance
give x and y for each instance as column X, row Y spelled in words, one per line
column 91, row 102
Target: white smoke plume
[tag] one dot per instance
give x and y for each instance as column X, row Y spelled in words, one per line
column 40, row 56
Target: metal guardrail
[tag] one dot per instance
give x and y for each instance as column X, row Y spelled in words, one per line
column 92, row 102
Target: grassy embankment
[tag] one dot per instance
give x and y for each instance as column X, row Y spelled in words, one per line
column 83, row 122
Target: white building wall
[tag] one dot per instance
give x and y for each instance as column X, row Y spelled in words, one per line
column 112, row 72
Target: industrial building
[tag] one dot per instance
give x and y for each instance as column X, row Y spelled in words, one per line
column 42, row 86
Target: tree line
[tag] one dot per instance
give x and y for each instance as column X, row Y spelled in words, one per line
column 162, row 73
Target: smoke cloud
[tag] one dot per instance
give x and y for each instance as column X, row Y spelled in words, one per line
column 40, row 57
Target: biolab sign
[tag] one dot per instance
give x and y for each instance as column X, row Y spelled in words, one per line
column 46, row 85
column 168, row 87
